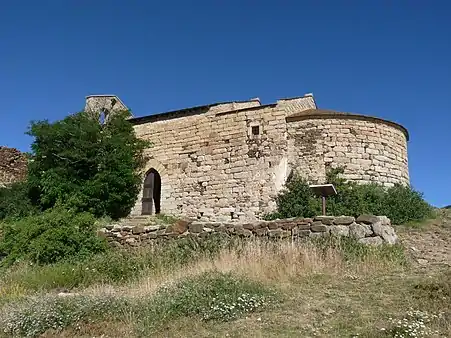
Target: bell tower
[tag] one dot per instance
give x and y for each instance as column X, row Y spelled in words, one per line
column 103, row 106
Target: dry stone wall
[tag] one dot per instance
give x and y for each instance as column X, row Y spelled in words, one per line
column 368, row 150
column 367, row 229
column 13, row 166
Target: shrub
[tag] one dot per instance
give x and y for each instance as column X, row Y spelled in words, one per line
column 15, row 202
column 87, row 166
column 50, row 237
column 296, row 199
column 400, row 203
column 404, row 204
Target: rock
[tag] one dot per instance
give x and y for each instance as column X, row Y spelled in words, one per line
column 152, row 235
column 359, row 230
column 261, row 232
column 318, row 227
column 109, row 226
column 306, row 233
column 273, row 225
column 116, row 228
column 208, row 229
column 288, row 225
column 367, row 219
column 139, row 229
column 344, row 220
column 127, row 228
column 317, row 234
column 150, row 228
column 422, row 261
column 196, row 227
column 386, row 232
column 304, row 226
column 371, row 240
column 275, row 233
column 384, row 220
column 327, row 220
column 339, row 230
column 180, row 226
column 130, row 240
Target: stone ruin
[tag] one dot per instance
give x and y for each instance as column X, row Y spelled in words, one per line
column 13, row 166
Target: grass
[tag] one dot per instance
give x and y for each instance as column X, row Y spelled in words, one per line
column 328, row 288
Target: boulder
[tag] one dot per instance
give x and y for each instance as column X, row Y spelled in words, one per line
column 179, row 227
column 386, row 232
column 367, row 219
column 360, row 230
column 339, row 230
column 371, row 240
column 318, row 227
column 139, row 229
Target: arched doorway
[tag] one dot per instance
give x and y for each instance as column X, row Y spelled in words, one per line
column 151, row 193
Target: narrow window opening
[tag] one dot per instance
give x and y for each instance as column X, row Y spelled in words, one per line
column 255, row 130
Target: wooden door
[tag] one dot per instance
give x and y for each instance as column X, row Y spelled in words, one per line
column 148, row 194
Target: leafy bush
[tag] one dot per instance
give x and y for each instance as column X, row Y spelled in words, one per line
column 50, row 237
column 15, row 202
column 400, row 203
column 79, row 163
column 296, row 199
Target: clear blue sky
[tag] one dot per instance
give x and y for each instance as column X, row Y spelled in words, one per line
column 391, row 59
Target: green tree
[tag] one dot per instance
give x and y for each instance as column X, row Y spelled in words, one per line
column 84, row 165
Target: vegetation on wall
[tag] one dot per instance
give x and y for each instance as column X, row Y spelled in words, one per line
column 400, row 203
column 84, row 165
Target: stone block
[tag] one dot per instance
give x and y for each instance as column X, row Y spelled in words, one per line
column 261, row 232
column 303, row 226
column 344, row 220
column 339, row 230
column 180, row 226
column 196, row 227
column 138, row 229
column 359, row 230
column 288, row 225
column 371, row 240
column 367, row 219
column 273, row 226
column 275, row 233
column 318, row 227
column 386, row 232
column 327, row 220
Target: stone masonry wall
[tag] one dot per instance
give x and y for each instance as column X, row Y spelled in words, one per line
column 13, row 166
column 369, row 151
column 367, row 229
column 213, row 167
